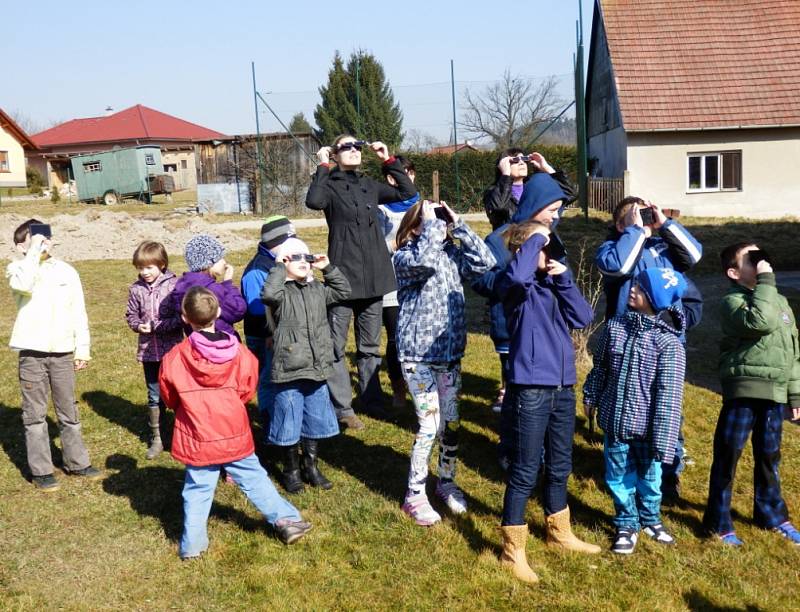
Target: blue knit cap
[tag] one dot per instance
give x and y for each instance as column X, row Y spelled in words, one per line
column 663, row 286
column 202, row 252
column 540, row 191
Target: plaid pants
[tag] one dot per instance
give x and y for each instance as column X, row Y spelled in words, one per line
column 736, row 420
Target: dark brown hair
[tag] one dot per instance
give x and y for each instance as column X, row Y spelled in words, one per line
column 150, row 253
column 200, row 306
column 624, row 206
column 729, row 257
column 517, row 233
column 21, row 233
column 410, row 220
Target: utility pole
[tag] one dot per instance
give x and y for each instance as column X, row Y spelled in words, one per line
column 580, row 118
column 455, row 134
column 259, row 204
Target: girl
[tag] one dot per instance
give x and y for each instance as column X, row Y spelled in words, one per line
column 357, row 247
column 151, row 314
column 501, row 199
column 303, row 358
column 542, row 305
column 431, row 336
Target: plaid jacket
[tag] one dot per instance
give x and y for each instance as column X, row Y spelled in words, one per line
column 637, row 379
column 431, row 327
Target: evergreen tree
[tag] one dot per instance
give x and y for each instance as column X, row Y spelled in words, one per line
column 379, row 118
column 299, row 124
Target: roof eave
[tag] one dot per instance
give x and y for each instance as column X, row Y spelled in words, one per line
column 714, row 128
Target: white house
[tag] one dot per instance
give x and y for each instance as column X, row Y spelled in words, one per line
column 13, row 143
column 697, row 104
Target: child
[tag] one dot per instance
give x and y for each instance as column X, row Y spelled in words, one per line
column 207, row 268
column 431, row 336
column 542, row 304
column 637, row 384
column 759, row 368
column 390, row 216
column 206, row 380
column 51, row 333
column 151, row 314
column 302, row 409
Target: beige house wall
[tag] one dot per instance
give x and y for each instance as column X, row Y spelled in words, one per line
column 185, row 178
column 658, row 170
column 15, row 176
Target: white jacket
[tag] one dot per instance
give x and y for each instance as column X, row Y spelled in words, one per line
column 51, row 314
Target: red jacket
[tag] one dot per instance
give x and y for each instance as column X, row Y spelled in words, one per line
column 207, row 384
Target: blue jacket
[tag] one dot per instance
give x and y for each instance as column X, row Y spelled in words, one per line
column 637, row 379
column 485, row 286
column 431, row 326
column 253, row 279
column 624, row 255
column 541, row 310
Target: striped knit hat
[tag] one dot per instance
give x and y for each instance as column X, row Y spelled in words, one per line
column 275, row 230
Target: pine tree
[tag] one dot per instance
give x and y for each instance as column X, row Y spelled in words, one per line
column 379, row 118
column 299, row 124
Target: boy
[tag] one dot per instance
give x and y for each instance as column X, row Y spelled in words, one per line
column 206, row 380
column 759, row 368
column 637, row 384
column 51, row 333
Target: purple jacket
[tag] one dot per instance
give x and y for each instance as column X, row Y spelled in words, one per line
column 230, row 299
column 153, row 303
column 540, row 311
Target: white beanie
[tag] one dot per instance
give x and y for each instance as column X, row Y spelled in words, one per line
column 289, row 247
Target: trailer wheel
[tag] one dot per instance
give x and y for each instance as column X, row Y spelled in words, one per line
column 110, row 198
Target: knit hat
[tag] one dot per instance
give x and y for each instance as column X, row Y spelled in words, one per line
column 540, row 191
column 275, row 230
column 290, row 246
column 202, row 252
column 662, row 286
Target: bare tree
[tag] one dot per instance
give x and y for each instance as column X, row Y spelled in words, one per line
column 24, row 120
column 510, row 110
column 417, row 141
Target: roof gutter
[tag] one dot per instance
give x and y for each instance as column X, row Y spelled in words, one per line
column 714, row 128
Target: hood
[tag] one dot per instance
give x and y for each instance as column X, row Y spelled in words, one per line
column 215, row 351
column 671, row 320
column 195, row 279
column 497, row 246
column 540, row 191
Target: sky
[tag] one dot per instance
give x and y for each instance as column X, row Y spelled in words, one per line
column 193, row 59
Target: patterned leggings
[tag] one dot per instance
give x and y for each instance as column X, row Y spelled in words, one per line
column 434, row 389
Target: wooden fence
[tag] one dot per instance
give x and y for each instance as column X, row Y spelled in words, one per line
column 605, row 193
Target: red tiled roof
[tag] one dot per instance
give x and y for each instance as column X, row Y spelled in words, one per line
column 134, row 123
column 452, row 148
column 705, row 63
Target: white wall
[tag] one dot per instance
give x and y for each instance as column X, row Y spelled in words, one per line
column 657, row 165
column 15, row 177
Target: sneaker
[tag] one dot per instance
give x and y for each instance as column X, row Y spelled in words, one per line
column 730, row 539
column 419, row 508
column 47, row 482
column 497, row 407
column 351, row 422
column 89, row 473
column 788, row 531
column 290, row 531
column 659, row 534
column 624, row 541
column 452, row 496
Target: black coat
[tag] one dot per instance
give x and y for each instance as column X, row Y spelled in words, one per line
column 500, row 204
column 356, row 244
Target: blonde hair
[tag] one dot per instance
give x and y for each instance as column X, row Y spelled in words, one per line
column 517, row 233
column 410, row 221
column 200, row 306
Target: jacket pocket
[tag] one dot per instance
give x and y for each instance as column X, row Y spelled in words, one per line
column 292, row 357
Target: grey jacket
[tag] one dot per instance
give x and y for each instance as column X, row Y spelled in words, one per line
column 303, row 349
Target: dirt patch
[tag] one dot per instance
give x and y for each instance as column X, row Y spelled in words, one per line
column 101, row 234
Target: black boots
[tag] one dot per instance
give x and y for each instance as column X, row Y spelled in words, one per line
column 291, row 470
column 311, row 473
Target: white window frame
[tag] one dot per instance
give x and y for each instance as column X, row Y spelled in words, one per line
column 6, row 163
column 149, row 159
column 718, row 154
column 93, row 166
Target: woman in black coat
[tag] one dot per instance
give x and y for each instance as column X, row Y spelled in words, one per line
column 357, row 247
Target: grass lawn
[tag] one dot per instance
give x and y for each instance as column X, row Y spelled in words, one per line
column 112, row 544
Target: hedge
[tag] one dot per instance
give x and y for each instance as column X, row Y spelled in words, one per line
column 476, row 170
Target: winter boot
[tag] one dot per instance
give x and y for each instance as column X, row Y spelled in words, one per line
column 155, row 441
column 291, row 470
column 559, row 534
column 311, row 473
column 515, row 537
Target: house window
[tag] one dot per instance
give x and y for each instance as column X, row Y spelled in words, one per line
column 714, row 171
column 4, row 162
column 149, row 159
column 170, row 167
column 184, row 165
column 94, row 166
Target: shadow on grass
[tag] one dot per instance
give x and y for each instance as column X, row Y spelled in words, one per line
column 699, row 602
column 156, row 491
column 125, row 413
column 12, row 439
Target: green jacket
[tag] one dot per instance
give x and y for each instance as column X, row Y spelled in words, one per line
column 302, row 345
column 759, row 354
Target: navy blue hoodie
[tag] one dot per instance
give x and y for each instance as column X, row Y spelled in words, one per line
column 541, row 310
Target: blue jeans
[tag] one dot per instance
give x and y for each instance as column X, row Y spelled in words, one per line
column 302, row 408
column 265, row 393
column 198, row 493
column 538, row 418
column 634, row 477
column 151, row 370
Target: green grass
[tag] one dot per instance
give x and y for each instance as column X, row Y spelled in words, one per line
column 112, row 544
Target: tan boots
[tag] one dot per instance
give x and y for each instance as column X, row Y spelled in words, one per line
column 515, row 537
column 559, row 534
